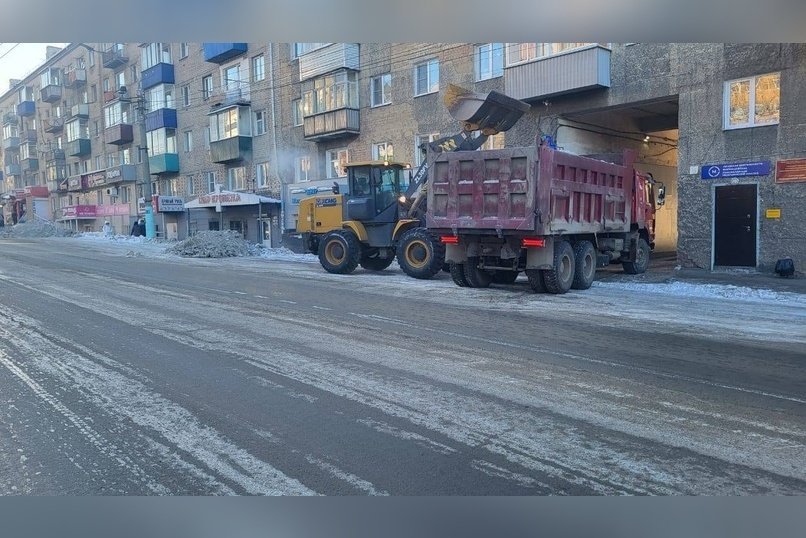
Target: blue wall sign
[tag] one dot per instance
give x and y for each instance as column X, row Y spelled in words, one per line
column 716, row 171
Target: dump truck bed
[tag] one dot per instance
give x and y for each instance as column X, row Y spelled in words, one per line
column 531, row 190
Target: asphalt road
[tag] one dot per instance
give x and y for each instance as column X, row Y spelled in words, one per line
column 142, row 376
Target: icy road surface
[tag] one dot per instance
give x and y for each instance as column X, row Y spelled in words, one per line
column 127, row 371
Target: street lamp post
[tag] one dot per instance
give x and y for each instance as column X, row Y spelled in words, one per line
column 140, row 105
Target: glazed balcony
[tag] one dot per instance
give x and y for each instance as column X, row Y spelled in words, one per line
column 26, row 108
column 571, row 71
column 80, row 111
column 164, row 117
column 237, row 148
column 120, row 134
column 75, row 78
column 114, row 58
column 11, row 143
column 161, row 73
column 165, row 163
column 12, row 169
column 78, row 148
column 51, row 93
column 221, row 52
column 332, row 124
column 328, row 59
column 10, row 118
column 29, row 165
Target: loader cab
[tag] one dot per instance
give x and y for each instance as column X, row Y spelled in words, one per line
column 375, row 187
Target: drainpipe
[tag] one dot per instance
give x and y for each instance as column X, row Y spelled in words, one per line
column 273, row 116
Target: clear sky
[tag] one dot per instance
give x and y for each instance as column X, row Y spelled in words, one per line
column 20, row 59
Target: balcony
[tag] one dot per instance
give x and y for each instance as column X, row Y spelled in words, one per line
column 12, row 169
column 572, row 71
column 234, row 94
column 28, row 136
column 78, row 148
column 159, row 74
column 57, row 185
column 119, row 134
column 332, row 124
column 9, row 118
column 327, row 59
column 51, row 93
column 232, row 149
column 164, row 117
column 29, row 165
column 110, row 96
column 165, row 163
column 113, row 58
column 53, row 125
column 80, row 111
column 11, row 143
column 221, row 52
column 26, row 108
column 75, row 78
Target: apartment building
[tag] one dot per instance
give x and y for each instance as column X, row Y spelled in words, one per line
column 234, row 128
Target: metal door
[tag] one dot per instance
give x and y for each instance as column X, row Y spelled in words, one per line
column 735, row 214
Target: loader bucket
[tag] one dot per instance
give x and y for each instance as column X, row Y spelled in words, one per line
column 489, row 113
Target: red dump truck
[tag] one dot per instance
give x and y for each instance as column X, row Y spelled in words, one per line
column 555, row 215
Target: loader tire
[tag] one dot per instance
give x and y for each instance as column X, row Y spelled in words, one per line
column 339, row 252
column 476, row 277
column 641, row 262
column 420, row 254
column 536, row 280
column 505, row 277
column 585, row 268
column 458, row 275
column 559, row 278
column 376, row 264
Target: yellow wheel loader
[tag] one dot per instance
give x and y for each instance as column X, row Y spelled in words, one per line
column 383, row 216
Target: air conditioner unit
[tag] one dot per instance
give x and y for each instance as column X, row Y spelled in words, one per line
column 112, row 191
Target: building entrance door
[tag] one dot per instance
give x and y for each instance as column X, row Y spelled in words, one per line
column 735, row 214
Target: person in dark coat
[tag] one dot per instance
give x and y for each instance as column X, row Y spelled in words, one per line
column 137, row 230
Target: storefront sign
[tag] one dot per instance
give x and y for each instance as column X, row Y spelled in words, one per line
column 79, row 212
column 166, row 204
column 75, row 183
column 37, row 191
column 790, row 171
column 773, row 213
column 124, row 172
column 219, row 198
column 94, row 179
column 111, row 210
column 716, row 171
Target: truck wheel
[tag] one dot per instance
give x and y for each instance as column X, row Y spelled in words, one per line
column 585, row 270
column 458, row 275
column 505, row 277
column 376, row 264
column 339, row 252
column 641, row 262
column 536, row 280
column 476, row 278
column 561, row 276
column 420, row 254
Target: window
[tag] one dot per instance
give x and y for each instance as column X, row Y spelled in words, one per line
column 302, row 166
column 133, row 72
column 426, row 77
column 77, row 129
column 207, row 86
column 381, row 90
column 120, row 80
column 99, row 197
column 258, row 68
column 126, row 156
column 97, row 127
column 336, row 159
column 190, row 186
column 298, row 49
column 419, row 151
column 753, row 101
column 188, row 139
column 116, row 113
column 186, row 96
column 184, row 50
column 231, row 122
column 92, row 58
column 489, row 60
column 523, row 52
column 85, row 166
column 331, row 92
column 236, row 178
column 232, row 78
column 155, row 53
column 125, row 194
column 160, row 96
column 106, row 84
column 207, row 137
column 260, row 122
column 98, row 162
column 94, row 92
column 112, row 160
column 296, row 106
column 209, row 180
column 383, row 151
column 161, row 141
column 262, row 174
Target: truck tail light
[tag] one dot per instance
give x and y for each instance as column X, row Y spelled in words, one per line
column 532, row 242
column 449, row 239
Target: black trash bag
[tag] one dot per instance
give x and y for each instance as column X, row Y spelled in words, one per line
column 785, row 267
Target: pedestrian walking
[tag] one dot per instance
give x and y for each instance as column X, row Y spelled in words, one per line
column 107, row 229
column 136, row 230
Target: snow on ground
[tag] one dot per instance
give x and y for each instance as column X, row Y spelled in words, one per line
column 714, row 291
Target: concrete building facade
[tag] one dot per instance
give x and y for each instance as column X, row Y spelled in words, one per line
column 718, row 124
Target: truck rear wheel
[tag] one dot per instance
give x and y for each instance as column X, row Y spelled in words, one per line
column 375, row 264
column 420, row 254
column 475, row 276
column 561, row 276
column 585, row 270
column 641, row 262
column 536, row 281
column 505, row 277
column 458, row 274
column 339, row 252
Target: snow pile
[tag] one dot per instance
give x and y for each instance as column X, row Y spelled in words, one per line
column 284, row 254
column 213, row 244
column 37, row 228
column 710, row 291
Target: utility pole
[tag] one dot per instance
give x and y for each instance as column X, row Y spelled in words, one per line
column 140, row 104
